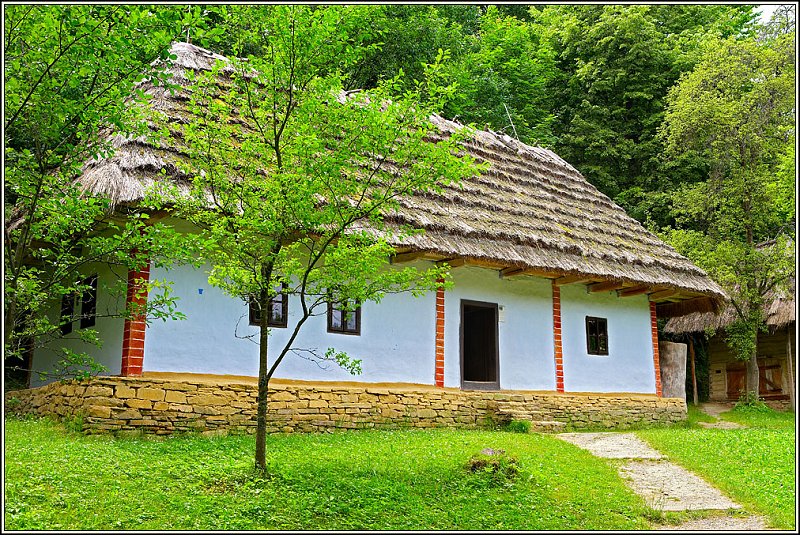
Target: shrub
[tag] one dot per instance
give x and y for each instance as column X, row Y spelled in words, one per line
column 518, row 426
column 750, row 402
column 498, row 465
column 12, row 403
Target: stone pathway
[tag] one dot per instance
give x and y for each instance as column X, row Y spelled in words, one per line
column 714, row 409
column 663, row 485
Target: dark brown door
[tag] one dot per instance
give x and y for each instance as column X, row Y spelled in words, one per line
column 479, row 353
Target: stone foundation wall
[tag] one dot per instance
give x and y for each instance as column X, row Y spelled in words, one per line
column 127, row 405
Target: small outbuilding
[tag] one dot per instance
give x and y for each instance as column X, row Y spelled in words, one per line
column 777, row 350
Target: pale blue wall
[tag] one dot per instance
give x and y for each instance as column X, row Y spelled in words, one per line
column 396, row 342
column 628, row 367
column 109, row 328
column 525, row 330
column 397, row 338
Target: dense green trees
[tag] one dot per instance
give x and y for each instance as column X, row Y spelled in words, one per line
column 70, row 74
column 736, row 111
column 616, row 64
column 588, row 81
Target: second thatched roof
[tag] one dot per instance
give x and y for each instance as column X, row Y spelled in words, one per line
column 779, row 310
column 530, row 213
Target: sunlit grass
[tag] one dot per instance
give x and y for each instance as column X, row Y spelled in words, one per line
column 413, row 479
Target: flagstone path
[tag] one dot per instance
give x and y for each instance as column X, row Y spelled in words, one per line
column 714, row 409
column 663, row 485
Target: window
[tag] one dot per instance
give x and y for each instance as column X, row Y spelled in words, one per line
column 89, row 302
column 343, row 321
column 67, row 310
column 596, row 336
column 278, row 309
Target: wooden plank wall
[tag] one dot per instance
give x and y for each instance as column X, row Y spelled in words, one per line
column 771, row 347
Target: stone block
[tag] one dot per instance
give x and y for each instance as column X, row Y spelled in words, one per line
column 124, row 391
column 281, row 396
column 206, row 409
column 353, row 405
column 143, row 423
column 139, row 403
column 153, row 394
column 107, row 402
column 174, row 396
column 130, row 414
column 98, row 391
column 160, row 406
column 201, row 400
column 99, row 411
column 181, row 408
column 180, row 386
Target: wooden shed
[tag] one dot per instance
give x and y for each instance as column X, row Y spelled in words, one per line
column 777, row 350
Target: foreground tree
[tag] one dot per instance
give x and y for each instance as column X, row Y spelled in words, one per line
column 70, row 74
column 292, row 177
column 736, row 110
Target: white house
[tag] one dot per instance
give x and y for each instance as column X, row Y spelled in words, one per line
column 555, row 287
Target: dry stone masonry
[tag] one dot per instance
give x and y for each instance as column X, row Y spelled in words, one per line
column 130, row 405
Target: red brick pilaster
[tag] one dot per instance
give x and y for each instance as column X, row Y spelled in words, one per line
column 439, row 372
column 557, row 338
column 656, row 358
column 133, row 335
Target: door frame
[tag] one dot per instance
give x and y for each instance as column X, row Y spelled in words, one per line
column 479, row 385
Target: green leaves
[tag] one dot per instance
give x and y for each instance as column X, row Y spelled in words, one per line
column 735, row 109
column 71, row 74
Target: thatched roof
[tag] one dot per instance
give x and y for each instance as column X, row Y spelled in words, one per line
column 779, row 310
column 531, row 213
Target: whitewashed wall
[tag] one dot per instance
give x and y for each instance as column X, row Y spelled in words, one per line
column 628, row 367
column 110, row 329
column 525, row 327
column 398, row 336
column 396, row 342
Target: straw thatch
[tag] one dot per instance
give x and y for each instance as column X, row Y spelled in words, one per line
column 530, row 210
column 779, row 311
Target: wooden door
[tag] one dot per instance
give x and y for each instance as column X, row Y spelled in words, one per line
column 769, row 380
column 736, row 380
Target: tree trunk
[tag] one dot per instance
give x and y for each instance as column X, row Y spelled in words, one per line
column 752, row 375
column 790, row 368
column 263, row 370
column 8, row 327
column 694, row 375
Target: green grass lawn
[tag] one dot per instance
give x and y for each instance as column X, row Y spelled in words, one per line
column 413, row 479
column 755, row 466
